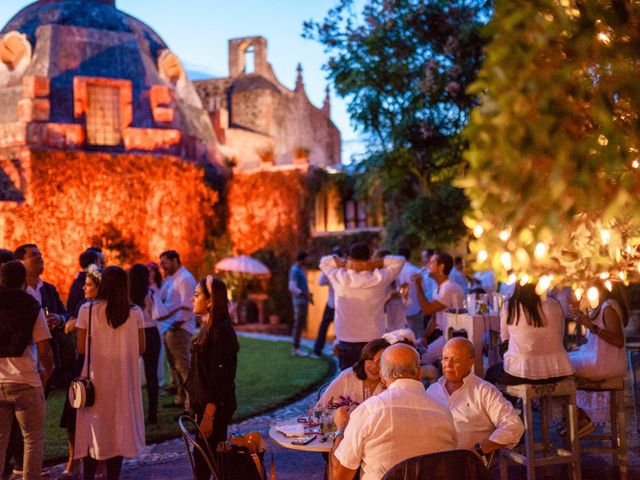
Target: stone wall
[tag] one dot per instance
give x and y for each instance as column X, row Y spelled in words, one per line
column 133, row 205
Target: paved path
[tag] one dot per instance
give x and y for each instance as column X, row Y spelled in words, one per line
column 168, row 460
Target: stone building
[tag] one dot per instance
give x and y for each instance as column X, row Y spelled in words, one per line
column 103, row 138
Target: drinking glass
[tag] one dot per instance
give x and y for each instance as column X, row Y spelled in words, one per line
column 326, row 421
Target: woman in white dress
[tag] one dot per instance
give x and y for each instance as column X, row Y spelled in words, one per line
column 534, row 328
column 113, row 427
column 604, row 354
column 360, row 381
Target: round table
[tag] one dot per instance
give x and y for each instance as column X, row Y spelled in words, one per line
column 314, row 446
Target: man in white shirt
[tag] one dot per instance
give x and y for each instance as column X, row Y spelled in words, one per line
column 448, row 295
column 24, row 345
column 399, row 423
column 179, row 325
column 360, row 286
column 485, row 421
column 457, row 274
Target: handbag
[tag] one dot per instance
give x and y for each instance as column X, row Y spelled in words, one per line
column 81, row 391
column 242, row 458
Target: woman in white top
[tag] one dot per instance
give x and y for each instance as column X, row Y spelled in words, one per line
column 534, row 328
column 113, row 427
column 140, row 294
column 360, row 381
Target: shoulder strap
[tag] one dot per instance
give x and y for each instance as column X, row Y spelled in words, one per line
column 89, row 343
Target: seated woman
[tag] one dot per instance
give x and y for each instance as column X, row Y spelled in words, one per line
column 534, row 328
column 360, row 381
column 604, row 355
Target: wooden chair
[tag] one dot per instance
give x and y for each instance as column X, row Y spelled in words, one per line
column 543, row 454
column 616, row 437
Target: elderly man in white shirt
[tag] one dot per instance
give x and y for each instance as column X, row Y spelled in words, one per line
column 399, row 423
column 360, row 287
column 485, row 421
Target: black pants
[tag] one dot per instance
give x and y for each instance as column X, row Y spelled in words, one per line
column 349, row 353
column 221, row 421
column 327, row 318
column 114, row 465
column 497, row 375
column 15, row 450
column 150, row 358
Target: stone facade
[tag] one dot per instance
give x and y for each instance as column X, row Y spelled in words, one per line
column 257, row 118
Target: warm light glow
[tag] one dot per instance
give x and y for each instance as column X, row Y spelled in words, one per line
column 504, row 235
column 478, row 231
column 635, row 164
column 524, row 280
column 505, row 259
column 543, row 284
column 578, row 293
column 628, row 249
column 604, row 38
column 622, row 276
column 608, row 285
column 512, row 279
column 540, row 250
column 604, row 276
column 593, row 296
column 482, row 256
column 605, row 236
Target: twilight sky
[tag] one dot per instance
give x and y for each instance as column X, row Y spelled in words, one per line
column 198, row 31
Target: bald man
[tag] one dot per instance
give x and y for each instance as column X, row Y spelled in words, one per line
column 485, row 421
column 399, row 423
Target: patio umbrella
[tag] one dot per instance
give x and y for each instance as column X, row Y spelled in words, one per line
column 243, row 264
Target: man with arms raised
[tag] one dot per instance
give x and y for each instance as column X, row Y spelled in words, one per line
column 485, row 421
column 399, row 423
column 360, row 285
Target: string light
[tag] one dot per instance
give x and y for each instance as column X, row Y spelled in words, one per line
column 635, row 164
column 512, row 279
column 593, row 296
column 543, row 284
column 604, row 276
column 505, row 259
column 578, row 293
column 603, row 38
column 478, row 231
column 605, row 236
column 482, row 256
column 504, row 235
column 540, row 251
column 608, row 285
column 524, row 280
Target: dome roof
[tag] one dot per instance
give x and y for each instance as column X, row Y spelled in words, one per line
column 92, row 38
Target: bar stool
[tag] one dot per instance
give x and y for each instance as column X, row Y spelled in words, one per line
column 617, row 432
column 633, row 354
column 565, row 389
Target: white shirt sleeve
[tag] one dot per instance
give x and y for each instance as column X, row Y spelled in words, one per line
column 504, row 328
column 392, row 267
column 40, row 328
column 509, row 427
column 323, row 281
column 328, row 265
column 350, row 451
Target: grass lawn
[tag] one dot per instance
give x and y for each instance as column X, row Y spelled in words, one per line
column 267, row 376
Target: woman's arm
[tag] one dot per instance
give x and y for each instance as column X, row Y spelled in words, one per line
column 612, row 332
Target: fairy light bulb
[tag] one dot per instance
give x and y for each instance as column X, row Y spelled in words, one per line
column 505, row 259
column 605, row 236
column 482, row 256
column 524, row 280
column 504, row 235
column 578, row 293
column 593, row 297
column 608, row 285
column 540, row 251
column 512, row 279
column 604, row 275
column 635, row 164
column 478, row 231
column 603, row 38
column 543, row 284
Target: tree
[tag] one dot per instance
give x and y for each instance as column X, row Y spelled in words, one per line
column 554, row 144
column 404, row 66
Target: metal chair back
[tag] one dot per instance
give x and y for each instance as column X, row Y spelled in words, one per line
column 191, row 443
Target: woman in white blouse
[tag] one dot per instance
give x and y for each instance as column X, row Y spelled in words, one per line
column 360, row 381
column 534, row 328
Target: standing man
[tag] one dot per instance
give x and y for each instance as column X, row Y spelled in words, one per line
column 485, row 421
column 64, row 349
column 457, row 274
column 24, row 346
column 329, row 309
column 399, row 423
column 301, row 297
column 448, row 295
column 412, row 308
column 179, row 324
column 361, row 286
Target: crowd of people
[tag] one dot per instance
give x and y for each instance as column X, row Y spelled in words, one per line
column 389, row 320
column 112, row 318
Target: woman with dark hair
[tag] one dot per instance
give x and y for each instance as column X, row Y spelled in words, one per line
column 113, row 427
column 534, row 329
column 140, row 295
column 214, row 359
column 360, row 381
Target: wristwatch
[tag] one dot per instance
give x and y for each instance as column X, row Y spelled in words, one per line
column 478, row 449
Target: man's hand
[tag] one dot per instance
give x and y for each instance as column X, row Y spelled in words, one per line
column 339, row 261
column 341, row 418
column 54, row 320
column 70, row 326
column 417, row 279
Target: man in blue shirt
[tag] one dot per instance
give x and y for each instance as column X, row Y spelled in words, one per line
column 301, row 297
